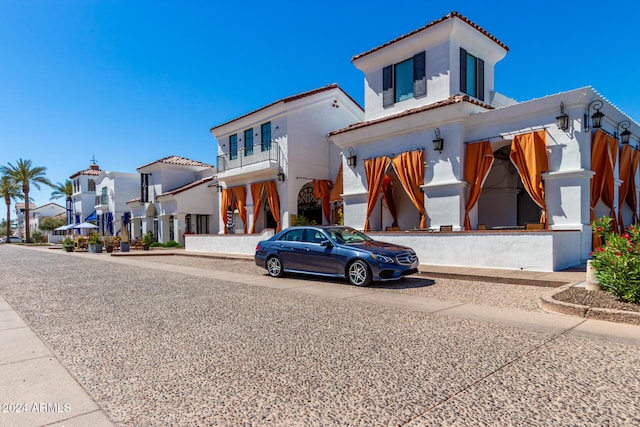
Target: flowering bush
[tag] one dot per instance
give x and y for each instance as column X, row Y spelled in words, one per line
column 617, row 261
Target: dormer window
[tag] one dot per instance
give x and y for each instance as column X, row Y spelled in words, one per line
column 404, row 80
column 91, row 185
column 471, row 75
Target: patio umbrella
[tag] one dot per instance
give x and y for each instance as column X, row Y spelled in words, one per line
column 84, row 225
column 64, row 227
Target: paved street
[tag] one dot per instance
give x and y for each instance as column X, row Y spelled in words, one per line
column 165, row 341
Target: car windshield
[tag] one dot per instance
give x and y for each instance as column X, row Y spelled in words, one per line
column 346, row 235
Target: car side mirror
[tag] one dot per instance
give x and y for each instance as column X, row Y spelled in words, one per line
column 326, row 243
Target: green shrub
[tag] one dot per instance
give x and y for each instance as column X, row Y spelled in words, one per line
column 617, row 261
column 172, row 244
column 155, row 245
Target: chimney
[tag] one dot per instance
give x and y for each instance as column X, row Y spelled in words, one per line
column 94, row 167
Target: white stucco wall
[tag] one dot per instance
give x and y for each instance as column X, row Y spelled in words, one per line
column 244, row 244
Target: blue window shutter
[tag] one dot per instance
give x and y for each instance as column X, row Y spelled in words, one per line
column 419, row 75
column 387, row 86
column 480, row 77
column 463, row 70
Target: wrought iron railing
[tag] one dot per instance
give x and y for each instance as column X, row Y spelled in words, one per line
column 257, row 154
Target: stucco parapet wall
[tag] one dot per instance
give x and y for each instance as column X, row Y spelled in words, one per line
column 443, row 185
column 569, row 174
column 239, row 244
column 549, row 303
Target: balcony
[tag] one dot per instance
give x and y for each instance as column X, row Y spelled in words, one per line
column 257, row 161
column 101, row 202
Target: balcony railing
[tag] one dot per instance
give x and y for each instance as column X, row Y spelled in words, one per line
column 257, row 154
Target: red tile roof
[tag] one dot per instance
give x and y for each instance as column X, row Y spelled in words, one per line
column 451, row 15
column 449, row 101
column 291, row 99
column 186, row 187
column 94, row 170
column 177, row 160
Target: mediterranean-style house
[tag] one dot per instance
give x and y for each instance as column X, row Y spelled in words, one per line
column 112, row 193
column 442, row 162
column 19, row 218
column 84, row 193
column 177, row 196
column 48, row 210
column 275, row 165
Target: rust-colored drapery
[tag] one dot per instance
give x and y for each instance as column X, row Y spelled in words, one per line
column 321, row 191
column 529, row 156
column 336, row 191
column 274, row 204
column 387, row 195
column 602, row 145
column 609, row 184
column 626, row 156
column 631, row 193
column 409, row 167
column 226, row 204
column 256, row 195
column 375, row 170
column 240, row 194
column 477, row 164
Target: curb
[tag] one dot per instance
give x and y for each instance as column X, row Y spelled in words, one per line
column 548, row 303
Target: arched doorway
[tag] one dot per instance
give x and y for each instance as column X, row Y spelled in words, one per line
column 308, row 206
column 504, row 201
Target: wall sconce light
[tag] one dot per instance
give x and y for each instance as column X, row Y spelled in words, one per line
column 351, row 159
column 438, row 143
column 626, row 133
column 281, row 176
column 596, row 119
column 562, row 121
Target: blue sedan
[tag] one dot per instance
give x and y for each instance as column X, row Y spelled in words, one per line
column 334, row 251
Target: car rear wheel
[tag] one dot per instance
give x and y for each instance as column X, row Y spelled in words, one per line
column 274, row 267
column 359, row 273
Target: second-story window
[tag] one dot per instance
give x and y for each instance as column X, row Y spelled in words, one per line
column 104, row 198
column 233, row 146
column 248, row 142
column 91, row 185
column 471, row 75
column 404, row 80
column 265, row 139
column 144, row 187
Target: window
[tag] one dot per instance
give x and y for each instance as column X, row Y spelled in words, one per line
column 471, row 75
column 104, row 198
column 233, row 146
column 144, row 187
column 294, row 235
column 91, row 185
column 202, row 224
column 265, row 139
column 404, row 80
column 248, row 142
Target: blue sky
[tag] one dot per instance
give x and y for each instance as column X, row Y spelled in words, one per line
column 130, row 82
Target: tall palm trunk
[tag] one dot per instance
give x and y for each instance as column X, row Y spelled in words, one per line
column 8, row 202
column 27, row 231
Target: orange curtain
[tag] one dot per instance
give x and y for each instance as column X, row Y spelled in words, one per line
column 626, row 155
column 477, row 164
column 609, row 184
column 336, row 191
column 599, row 150
column 225, row 204
column 387, row 195
column 274, row 205
column 240, row 193
column 631, row 193
column 256, row 196
column 529, row 156
column 375, row 170
column 321, row 191
column 409, row 167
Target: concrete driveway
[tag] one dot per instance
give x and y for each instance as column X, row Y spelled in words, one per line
column 163, row 343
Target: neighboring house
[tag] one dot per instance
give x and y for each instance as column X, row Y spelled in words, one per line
column 176, row 196
column 45, row 211
column 112, row 194
column 269, row 160
column 84, row 193
column 20, row 222
column 435, row 131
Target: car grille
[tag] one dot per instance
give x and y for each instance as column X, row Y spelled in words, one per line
column 406, row 258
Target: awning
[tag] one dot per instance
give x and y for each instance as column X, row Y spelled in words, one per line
column 336, row 191
column 64, row 227
column 85, row 225
column 92, row 217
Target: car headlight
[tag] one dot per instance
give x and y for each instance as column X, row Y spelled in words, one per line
column 382, row 258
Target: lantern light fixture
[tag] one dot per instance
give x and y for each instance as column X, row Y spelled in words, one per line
column 562, row 121
column 351, row 159
column 438, row 143
column 596, row 118
column 626, row 133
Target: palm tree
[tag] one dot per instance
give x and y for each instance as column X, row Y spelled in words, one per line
column 23, row 173
column 9, row 190
column 63, row 190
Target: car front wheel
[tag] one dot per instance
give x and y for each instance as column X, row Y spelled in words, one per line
column 274, row 267
column 358, row 273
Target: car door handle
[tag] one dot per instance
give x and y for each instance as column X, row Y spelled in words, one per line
column 307, row 249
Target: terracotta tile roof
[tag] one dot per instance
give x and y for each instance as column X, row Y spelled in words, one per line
column 22, row 205
column 291, row 99
column 451, row 15
column 186, row 187
column 449, row 101
column 137, row 199
column 94, row 170
column 177, row 160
